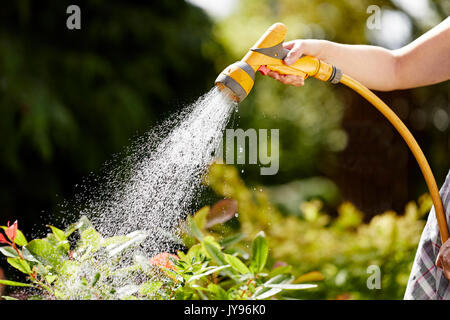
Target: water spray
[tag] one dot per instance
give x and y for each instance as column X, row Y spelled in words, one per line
column 268, row 53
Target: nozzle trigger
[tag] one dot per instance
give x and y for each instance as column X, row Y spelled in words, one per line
column 264, row 70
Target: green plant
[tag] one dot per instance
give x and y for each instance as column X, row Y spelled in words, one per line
column 95, row 267
column 341, row 248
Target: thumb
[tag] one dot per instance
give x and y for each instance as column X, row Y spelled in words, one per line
column 294, row 53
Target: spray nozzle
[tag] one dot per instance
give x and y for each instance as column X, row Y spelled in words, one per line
column 268, row 54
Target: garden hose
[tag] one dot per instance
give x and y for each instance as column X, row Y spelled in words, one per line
column 268, row 53
column 412, row 144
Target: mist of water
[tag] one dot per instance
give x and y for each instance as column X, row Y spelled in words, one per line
column 156, row 185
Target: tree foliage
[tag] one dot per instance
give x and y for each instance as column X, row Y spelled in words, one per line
column 69, row 99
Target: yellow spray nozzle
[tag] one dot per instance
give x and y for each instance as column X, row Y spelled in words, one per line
column 268, row 54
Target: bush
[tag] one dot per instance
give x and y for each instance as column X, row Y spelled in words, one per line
column 227, row 253
column 112, row 268
column 341, row 249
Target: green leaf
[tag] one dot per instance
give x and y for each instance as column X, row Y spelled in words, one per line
column 149, row 288
column 95, row 280
column 280, row 270
column 260, row 252
column 69, row 268
column 59, row 294
column 28, row 256
column 210, row 271
column 265, row 292
column 200, row 217
column 83, row 224
column 59, row 234
column 212, row 249
column 194, row 253
column 41, row 269
column 20, row 265
column 70, row 229
column 42, row 250
column 134, row 239
column 9, row 252
column 90, row 237
column 282, row 278
column 14, row 283
column 114, row 240
column 194, row 228
column 181, row 255
column 289, row 286
column 50, row 278
column 20, row 238
column 226, row 242
column 218, row 292
column 8, row 298
column 236, row 264
column 61, row 247
column 237, row 252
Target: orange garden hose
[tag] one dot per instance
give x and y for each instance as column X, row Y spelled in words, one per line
column 412, row 144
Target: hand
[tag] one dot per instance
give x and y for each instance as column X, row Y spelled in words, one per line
column 296, row 49
column 443, row 259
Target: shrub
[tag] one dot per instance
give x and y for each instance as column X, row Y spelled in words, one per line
column 95, row 267
column 341, row 249
column 227, row 253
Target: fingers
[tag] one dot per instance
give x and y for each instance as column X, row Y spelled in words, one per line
column 288, row 79
column 295, row 51
column 443, row 259
column 288, row 45
column 292, row 80
column 274, row 75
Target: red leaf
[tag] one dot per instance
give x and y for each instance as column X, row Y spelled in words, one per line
column 11, row 232
column 221, row 212
column 3, row 239
column 162, row 259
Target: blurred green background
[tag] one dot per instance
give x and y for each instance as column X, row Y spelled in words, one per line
column 71, row 99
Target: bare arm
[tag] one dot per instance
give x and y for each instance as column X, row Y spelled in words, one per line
column 423, row 62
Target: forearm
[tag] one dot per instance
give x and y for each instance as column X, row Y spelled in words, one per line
column 374, row 67
column 426, row 60
column 423, row 62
